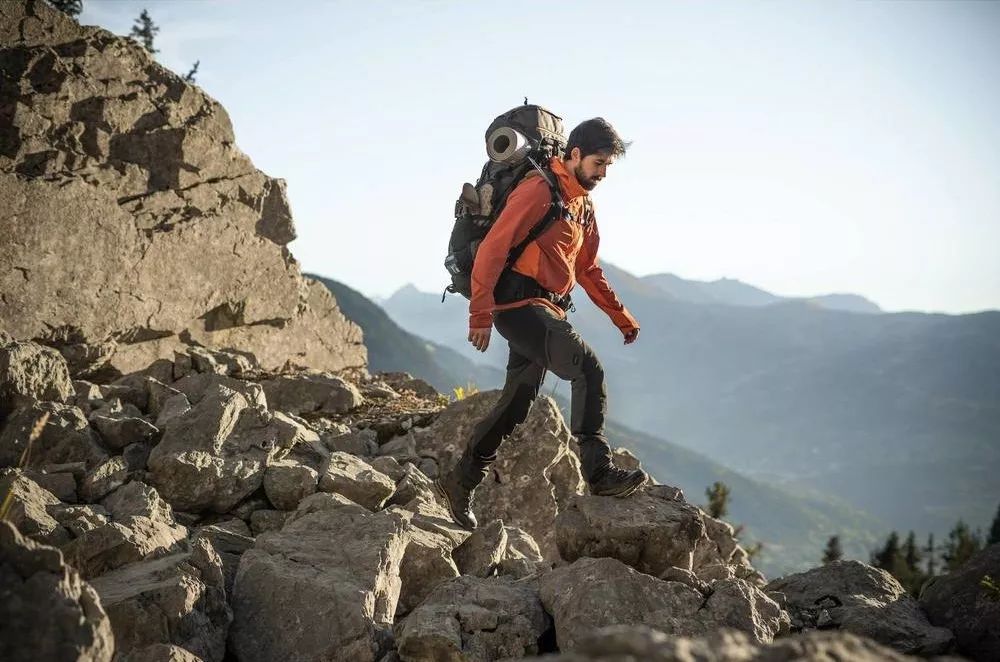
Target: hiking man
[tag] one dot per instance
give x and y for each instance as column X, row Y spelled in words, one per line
column 527, row 303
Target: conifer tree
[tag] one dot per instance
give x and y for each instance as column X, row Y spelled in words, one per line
column 994, row 536
column 962, row 544
column 833, row 551
column 189, row 76
column 68, row 7
column 931, row 556
column 144, row 31
column 718, row 499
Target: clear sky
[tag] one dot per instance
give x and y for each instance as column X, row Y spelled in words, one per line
column 803, row 147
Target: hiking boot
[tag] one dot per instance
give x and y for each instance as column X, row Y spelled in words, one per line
column 618, row 482
column 458, row 499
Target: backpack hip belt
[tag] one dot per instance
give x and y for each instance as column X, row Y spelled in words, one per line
column 514, row 286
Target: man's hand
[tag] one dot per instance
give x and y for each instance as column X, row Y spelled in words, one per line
column 631, row 336
column 480, row 338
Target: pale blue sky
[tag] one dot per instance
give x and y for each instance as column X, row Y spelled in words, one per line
column 803, row 147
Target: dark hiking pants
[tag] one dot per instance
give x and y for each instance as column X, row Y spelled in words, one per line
column 540, row 341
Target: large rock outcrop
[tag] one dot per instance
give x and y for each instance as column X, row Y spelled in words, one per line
column 47, row 611
column 863, row 600
column 132, row 223
column 964, row 602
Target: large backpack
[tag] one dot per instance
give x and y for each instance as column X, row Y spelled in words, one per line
column 519, row 141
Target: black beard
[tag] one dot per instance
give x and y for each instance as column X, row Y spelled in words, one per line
column 587, row 184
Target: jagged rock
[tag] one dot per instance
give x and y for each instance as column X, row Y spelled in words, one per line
column 29, row 505
column 160, row 653
column 160, row 194
column 389, row 466
column 412, row 484
column 172, row 408
column 864, row 600
column 29, row 373
column 355, row 442
column 118, row 543
column 962, row 603
column 617, row 643
column 287, row 482
column 324, row 587
column 222, row 362
column 426, row 563
column 102, row 479
column 357, row 480
column 215, row 455
column 196, row 386
column 47, row 611
column 471, row 618
column 522, row 557
column 651, row 531
column 686, row 577
column 325, row 501
column 535, row 472
column 311, row 392
column 178, row 599
column 482, row 551
column 262, row 521
column 117, row 433
column 246, row 508
column 138, row 499
column 65, row 437
column 592, row 593
column 402, row 381
column 62, row 484
column 136, row 456
column 158, row 394
column 229, row 539
column 78, row 520
column 403, row 448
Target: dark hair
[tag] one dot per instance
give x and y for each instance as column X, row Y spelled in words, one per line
column 596, row 135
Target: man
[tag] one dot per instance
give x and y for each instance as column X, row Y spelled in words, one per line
column 527, row 305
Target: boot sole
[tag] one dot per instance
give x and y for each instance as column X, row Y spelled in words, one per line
column 626, row 491
column 447, row 503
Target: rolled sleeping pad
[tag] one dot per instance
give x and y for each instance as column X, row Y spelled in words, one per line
column 506, row 145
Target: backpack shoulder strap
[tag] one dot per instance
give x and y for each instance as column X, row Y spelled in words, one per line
column 556, row 210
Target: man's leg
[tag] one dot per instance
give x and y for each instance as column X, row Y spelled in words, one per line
column 524, row 378
column 542, row 336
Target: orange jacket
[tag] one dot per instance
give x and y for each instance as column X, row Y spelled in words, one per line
column 562, row 255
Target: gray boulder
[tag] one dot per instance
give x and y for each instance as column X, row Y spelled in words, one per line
column 651, row 531
column 311, row 391
column 178, row 599
column 160, row 653
column 593, row 593
column 617, row 643
column 30, row 372
column 47, row 612
column 863, row 600
column 214, row 455
column 119, row 432
column 356, row 479
column 426, row 563
column 474, row 619
column 138, row 499
column 287, row 482
column 482, row 551
column 29, row 508
column 64, row 437
column 230, row 539
column 324, row 587
column 133, row 538
column 961, row 602
column 536, row 471
column 105, row 477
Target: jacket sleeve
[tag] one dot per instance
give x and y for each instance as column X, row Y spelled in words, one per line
column 590, row 275
column 526, row 205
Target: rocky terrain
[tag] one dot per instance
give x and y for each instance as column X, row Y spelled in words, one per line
column 197, row 464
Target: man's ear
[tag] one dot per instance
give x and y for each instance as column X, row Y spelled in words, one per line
column 574, row 154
